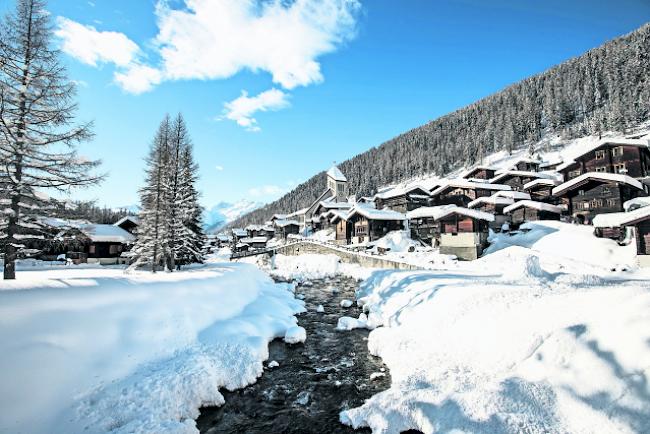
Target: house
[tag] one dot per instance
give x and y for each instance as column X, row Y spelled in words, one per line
column 403, row 199
column 277, row 217
column 531, row 210
column 424, row 223
column 370, row 224
column 284, row 228
column 255, row 242
column 344, row 230
column 324, row 211
column 493, row 205
column 464, row 232
column 252, row 230
column 617, row 225
column 550, row 165
column 461, row 191
column 526, row 165
column 541, row 190
column 629, row 157
column 241, row 248
column 223, row 240
column 516, row 179
column 479, row 172
column 95, row 243
column 299, row 216
column 129, row 223
column 238, row 234
column 591, row 194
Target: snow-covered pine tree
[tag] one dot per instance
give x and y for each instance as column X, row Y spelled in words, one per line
column 37, row 141
column 192, row 239
column 153, row 235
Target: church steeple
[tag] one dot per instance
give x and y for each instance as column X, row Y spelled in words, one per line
column 338, row 184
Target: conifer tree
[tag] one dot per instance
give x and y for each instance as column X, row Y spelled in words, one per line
column 37, row 138
column 192, row 238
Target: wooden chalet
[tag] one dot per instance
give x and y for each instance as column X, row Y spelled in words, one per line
column 238, row 234
column 464, row 232
column 617, row 226
column 324, row 213
column 94, row 243
column 479, row 172
column 541, row 190
column 591, row 194
column 284, row 228
column 370, row 224
column 241, row 247
column 129, row 223
column 425, row 225
column 493, row 205
column 530, row 210
column 516, row 179
column 223, row 240
column 526, row 165
column 461, row 191
column 255, row 242
column 403, row 199
column 344, row 230
column 623, row 156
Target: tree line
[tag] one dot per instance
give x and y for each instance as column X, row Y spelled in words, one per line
column 605, row 89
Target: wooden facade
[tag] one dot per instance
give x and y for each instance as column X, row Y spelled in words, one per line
column 460, row 196
column 527, row 165
column 634, row 161
column 543, row 193
column 283, row 230
column 480, row 173
column 366, row 230
column 425, row 229
column 595, row 197
column 525, row 214
column 517, row 180
column 463, row 236
column 408, row 201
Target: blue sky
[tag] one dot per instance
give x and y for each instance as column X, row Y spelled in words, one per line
column 336, row 77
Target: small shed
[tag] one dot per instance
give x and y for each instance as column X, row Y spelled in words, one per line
column 284, row 228
column 343, row 230
column 464, row 232
column 479, row 172
column 531, row 210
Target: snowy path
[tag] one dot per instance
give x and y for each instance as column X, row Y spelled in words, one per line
column 314, row 381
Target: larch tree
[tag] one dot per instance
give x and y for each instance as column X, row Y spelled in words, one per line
column 192, row 238
column 37, row 136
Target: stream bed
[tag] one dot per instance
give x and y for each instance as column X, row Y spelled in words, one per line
column 314, row 381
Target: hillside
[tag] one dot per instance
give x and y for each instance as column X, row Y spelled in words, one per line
column 605, row 89
column 215, row 218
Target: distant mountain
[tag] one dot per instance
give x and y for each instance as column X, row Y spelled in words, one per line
column 217, row 217
column 605, row 89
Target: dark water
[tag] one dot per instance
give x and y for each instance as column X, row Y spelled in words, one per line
column 316, row 380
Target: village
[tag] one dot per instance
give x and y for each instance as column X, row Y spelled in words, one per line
column 605, row 186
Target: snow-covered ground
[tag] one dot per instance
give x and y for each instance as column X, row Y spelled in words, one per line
column 93, row 349
column 538, row 336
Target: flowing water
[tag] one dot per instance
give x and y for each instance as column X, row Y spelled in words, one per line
column 314, row 381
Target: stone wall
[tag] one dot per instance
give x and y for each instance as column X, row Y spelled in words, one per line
column 361, row 259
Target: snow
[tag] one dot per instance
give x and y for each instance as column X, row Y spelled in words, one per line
column 434, row 212
column 504, row 173
column 522, row 340
column 546, row 182
column 493, row 200
column 106, row 234
column 399, row 191
column 336, row 174
column 347, row 323
column 592, row 145
column 395, row 241
column 273, row 364
column 285, row 223
column 372, row 213
column 637, row 202
column 129, row 218
column 617, row 219
column 540, row 206
column 514, row 195
column 464, row 183
column 598, row 176
column 324, row 235
column 295, row 335
column 92, row 349
column 346, row 303
column 320, row 309
column 311, row 266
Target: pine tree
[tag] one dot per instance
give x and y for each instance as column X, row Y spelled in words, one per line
column 192, row 237
column 152, row 245
column 179, row 140
column 37, row 141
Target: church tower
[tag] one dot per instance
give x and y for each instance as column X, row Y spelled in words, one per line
column 338, row 184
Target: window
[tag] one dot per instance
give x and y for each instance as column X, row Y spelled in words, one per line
column 581, row 192
column 596, row 203
column 612, row 203
column 620, row 168
column 601, row 169
column 600, row 155
column 91, row 249
column 574, row 174
column 617, row 151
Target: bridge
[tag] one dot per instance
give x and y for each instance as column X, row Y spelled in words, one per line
column 314, row 247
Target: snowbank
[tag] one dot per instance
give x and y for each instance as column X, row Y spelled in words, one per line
column 96, row 350
column 396, row 241
column 527, row 346
column 310, row 266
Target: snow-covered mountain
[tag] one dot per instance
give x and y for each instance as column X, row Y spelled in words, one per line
column 223, row 213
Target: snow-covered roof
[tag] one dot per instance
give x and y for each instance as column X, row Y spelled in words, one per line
column 279, row 216
column 372, row 213
column 399, row 191
column 338, row 215
column 540, row 206
column 285, row 223
column 473, row 169
column 464, row 183
column 637, row 202
column 525, row 160
column 129, row 218
column 493, row 200
column 297, row 213
column 223, row 237
column 106, row 234
column 617, row 219
column 641, row 143
column 335, row 205
column 252, row 240
column 336, row 174
column 238, row 232
column 515, row 195
column 472, row 213
column 254, row 227
column 541, row 181
column 597, row 176
column 433, row 212
column 504, row 173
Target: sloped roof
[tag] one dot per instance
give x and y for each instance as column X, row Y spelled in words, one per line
column 238, row 232
column 541, row 181
column 596, row 176
column 642, row 143
column 473, row 169
column 336, row 174
column 516, row 195
column 540, row 206
column 399, row 191
column 464, row 183
column 130, row 218
column 106, row 234
column 618, row 219
column 428, row 212
column 505, row 173
column 285, row 223
column 376, row 214
column 493, row 200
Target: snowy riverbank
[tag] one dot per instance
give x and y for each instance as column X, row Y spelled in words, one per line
column 93, row 349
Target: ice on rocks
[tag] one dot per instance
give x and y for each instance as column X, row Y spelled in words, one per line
column 320, row 309
column 295, row 335
column 346, row 303
column 273, row 364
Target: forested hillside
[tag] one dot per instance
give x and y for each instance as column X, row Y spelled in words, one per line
column 606, row 89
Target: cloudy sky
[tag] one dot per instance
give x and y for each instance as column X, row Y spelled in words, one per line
column 275, row 91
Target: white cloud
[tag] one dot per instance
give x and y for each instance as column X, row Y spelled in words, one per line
column 90, row 46
column 266, row 190
column 137, row 78
column 242, row 109
column 219, row 168
column 216, row 39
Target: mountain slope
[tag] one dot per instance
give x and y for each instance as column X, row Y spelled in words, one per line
column 605, row 89
column 217, row 217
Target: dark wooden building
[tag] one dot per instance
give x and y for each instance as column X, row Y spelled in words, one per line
column 591, row 194
column 494, row 205
column 479, row 172
column 129, row 223
column 343, row 229
column 618, row 226
column 101, row 244
column 623, row 156
column 530, row 210
column 424, row 223
column 461, row 192
column 516, row 179
column 526, row 165
column 284, row 228
column 403, row 199
column 541, row 190
column 464, row 232
column 370, row 224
